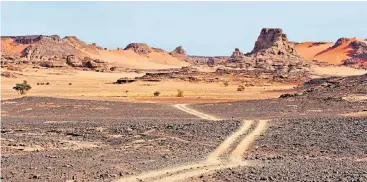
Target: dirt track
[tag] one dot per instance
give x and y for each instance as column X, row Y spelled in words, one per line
column 215, row 160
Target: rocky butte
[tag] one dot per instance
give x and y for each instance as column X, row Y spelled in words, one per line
column 272, row 51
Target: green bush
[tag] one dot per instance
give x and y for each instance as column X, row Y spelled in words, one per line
column 22, row 88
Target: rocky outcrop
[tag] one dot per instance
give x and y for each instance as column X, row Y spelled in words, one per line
column 30, row 39
column 272, row 41
column 272, row 52
column 359, row 57
column 94, row 63
column 52, row 51
column 139, row 48
column 143, row 49
column 179, row 51
column 341, row 41
column 74, row 61
column 361, row 49
column 237, row 54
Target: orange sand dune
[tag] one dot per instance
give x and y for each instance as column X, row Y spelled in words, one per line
column 326, row 52
column 9, row 47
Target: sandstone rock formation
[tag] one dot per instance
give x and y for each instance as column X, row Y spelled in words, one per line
column 359, row 58
column 272, row 51
column 179, row 51
column 272, row 41
column 139, row 48
column 237, row 54
column 142, row 49
column 47, row 51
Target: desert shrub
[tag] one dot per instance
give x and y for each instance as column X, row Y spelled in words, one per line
column 42, row 83
column 70, row 83
column 156, row 93
column 240, row 88
column 180, row 93
column 38, row 83
column 47, row 83
column 226, row 83
column 22, row 88
column 126, row 92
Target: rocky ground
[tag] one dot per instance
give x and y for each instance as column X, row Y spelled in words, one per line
column 309, row 137
column 305, row 149
column 77, row 144
column 318, row 97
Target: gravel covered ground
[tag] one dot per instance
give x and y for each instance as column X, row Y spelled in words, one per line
column 84, row 143
column 307, row 138
column 318, row 97
column 304, row 149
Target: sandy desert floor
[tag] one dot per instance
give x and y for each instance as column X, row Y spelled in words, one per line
column 99, row 86
column 89, row 85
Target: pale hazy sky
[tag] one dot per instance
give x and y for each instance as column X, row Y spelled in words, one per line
column 202, row 28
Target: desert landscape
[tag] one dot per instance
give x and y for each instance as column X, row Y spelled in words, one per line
column 73, row 111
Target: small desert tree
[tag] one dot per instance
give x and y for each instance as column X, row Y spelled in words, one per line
column 240, row 88
column 226, row 83
column 22, row 88
column 180, row 93
column 156, row 93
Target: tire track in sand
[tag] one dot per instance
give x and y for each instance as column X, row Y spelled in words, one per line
column 226, row 144
column 213, row 161
column 183, row 107
column 244, row 145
